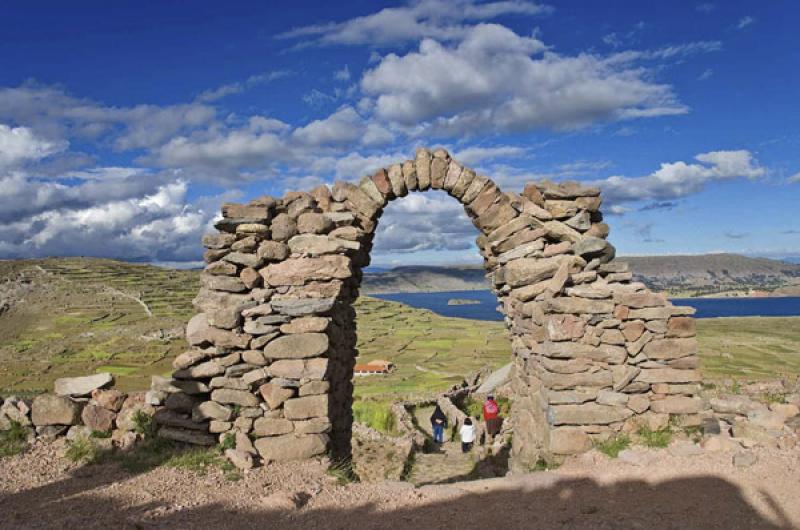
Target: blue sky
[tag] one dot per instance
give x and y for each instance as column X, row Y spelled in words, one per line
column 122, row 130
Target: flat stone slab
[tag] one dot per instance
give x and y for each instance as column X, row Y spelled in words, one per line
column 82, row 386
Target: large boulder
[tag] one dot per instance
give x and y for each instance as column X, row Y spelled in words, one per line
column 496, row 379
column 677, row 405
column 16, row 410
column 297, row 346
column 82, row 386
column 197, row 330
column 274, row 394
column 569, row 441
column 291, row 447
column 306, row 407
column 228, row 396
column 98, row 418
column 300, row 270
column 187, row 436
column 588, row 414
column 735, row 404
column 272, row 427
column 299, row 369
column 48, row 409
column 665, row 349
column 108, row 399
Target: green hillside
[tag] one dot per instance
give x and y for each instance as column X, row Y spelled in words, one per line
column 72, row 316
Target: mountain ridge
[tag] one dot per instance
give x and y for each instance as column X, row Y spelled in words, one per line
column 686, row 275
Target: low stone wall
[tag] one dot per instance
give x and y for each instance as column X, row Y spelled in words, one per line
column 273, row 347
column 79, row 407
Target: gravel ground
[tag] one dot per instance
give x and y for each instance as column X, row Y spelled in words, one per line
column 40, row 489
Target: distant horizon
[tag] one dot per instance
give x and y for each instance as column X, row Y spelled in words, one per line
column 792, row 259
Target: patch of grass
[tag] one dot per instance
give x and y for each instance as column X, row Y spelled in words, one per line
column 14, row 440
column 82, row 449
column 118, row 370
column 144, row 424
column 613, row 446
column 773, row 397
column 544, row 465
column 147, row 455
column 231, row 473
column 659, row 438
column 694, row 433
column 196, row 460
column 342, row 470
column 375, row 414
column 228, row 442
column 100, row 434
column 24, row 345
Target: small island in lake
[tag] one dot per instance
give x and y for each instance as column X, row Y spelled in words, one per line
column 462, row 301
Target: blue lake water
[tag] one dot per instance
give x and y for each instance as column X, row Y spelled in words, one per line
column 706, row 307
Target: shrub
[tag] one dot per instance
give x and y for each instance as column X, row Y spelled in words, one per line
column 613, row 446
column 14, row 440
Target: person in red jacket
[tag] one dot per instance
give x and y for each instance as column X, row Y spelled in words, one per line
column 491, row 415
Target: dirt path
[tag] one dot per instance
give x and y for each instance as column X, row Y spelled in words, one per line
column 447, row 464
column 41, row 490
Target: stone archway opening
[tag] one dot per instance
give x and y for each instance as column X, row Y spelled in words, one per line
column 273, row 347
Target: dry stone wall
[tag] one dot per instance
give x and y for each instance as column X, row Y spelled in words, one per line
column 273, row 347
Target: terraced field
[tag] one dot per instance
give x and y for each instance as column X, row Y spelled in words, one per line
column 72, row 316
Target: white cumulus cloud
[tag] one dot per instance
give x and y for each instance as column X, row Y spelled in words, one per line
column 675, row 180
column 496, row 80
column 440, row 19
column 20, row 144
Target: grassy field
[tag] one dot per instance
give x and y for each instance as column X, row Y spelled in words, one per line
column 749, row 348
column 82, row 315
column 430, row 352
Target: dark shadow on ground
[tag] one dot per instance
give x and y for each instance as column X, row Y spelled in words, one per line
column 541, row 501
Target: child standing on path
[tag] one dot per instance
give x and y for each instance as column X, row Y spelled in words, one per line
column 467, row 435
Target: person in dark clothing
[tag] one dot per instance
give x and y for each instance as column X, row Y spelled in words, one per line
column 439, row 424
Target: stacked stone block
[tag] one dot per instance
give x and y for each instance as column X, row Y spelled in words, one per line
column 273, row 347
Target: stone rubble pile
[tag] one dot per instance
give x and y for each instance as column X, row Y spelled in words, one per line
column 79, row 407
column 750, row 423
column 273, row 346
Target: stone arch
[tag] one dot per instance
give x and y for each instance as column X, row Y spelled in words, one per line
column 273, row 347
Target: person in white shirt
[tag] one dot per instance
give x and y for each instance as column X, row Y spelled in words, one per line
column 467, row 435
